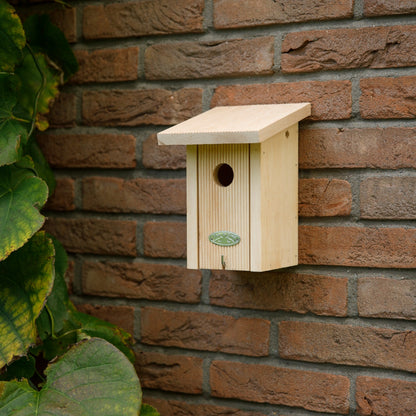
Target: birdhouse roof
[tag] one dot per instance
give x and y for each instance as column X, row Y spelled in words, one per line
column 236, row 124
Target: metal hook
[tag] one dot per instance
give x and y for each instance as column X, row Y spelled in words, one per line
column 222, row 262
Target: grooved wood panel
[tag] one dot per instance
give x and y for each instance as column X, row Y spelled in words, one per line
column 224, row 208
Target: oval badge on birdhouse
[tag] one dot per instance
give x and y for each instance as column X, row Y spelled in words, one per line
column 224, row 238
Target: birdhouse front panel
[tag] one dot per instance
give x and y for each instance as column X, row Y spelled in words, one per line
column 224, row 206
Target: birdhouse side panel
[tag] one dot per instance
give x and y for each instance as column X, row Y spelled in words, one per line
column 274, row 201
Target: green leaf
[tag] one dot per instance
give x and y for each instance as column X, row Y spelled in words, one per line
column 13, row 131
column 38, row 86
column 22, row 194
column 148, row 410
column 40, row 164
column 24, row 367
column 26, row 279
column 92, row 379
column 44, row 37
column 90, row 326
column 12, row 37
column 58, row 305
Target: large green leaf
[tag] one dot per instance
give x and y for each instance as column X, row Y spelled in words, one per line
column 90, row 326
column 22, row 194
column 92, row 379
column 12, row 37
column 148, row 410
column 44, row 37
column 38, row 86
column 26, row 279
column 13, row 131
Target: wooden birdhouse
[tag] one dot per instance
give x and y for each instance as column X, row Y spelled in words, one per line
column 242, row 185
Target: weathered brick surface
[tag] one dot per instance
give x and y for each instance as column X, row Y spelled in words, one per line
column 324, row 197
column 388, row 198
column 388, row 7
column 235, row 13
column 165, row 239
column 63, row 113
column 106, row 65
column 162, row 157
column 287, row 291
column 266, row 384
column 331, row 100
column 372, row 47
column 90, row 235
column 155, row 196
column 122, row 316
column 385, row 397
column 170, row 372
column 357, row 246
column 379, row 297
column 151, row 17
column 384, row 148
column 63, row 198
column 206, row 59
column 383, row 98
column 160, row 282
column 177, row 408
column 115, row 151
column 347, row 344
column 140, row 107
column 205, row 331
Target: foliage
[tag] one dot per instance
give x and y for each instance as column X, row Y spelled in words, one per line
column 53, row 359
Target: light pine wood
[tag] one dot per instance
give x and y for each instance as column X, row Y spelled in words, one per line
column 224, row 208
column 260, row 143
column 192, row 206
column 235, row 124
column 274, row 201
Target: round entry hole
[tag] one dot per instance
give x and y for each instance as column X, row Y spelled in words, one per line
column 224, row 174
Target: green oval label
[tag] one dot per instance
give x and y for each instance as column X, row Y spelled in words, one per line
column 224, row 238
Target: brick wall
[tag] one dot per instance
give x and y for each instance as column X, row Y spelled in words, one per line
column 335, row 335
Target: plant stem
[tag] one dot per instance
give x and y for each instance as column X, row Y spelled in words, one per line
column 52, row 321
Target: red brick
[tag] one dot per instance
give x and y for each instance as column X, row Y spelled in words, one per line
column 96, row 236
column 140, row 107
column 151, row 17
column 63, row 198
column 106, row 65
column 387, row 298
column 383, row 98
column 66, row 20
column 170, row 372
column 235, row 13
column 331, row 100
column 347, row 344
column 388, row 197
column 152, row 196
column 160, row 282
column 70, row 276
column 121, row 316
column 384, row 148
column 107, row 151
column 162, row 157
column 205, row 331
column 368, row 47
column 388, row 7
column 314, row 391
column 324, row 197
column 357, row 246
column 63, row 112
column 165, row 239
column 385, row 397
column 177, row 408
column 273, row 291
column 210, row 59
